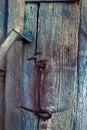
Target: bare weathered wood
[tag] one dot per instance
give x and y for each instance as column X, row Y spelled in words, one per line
column 29, row 84
column 6, row 45
column 59, row 121
column 13, row 68
column 51, row 0
column 81, row 123
column 13, row 36
column 58, row 41
column 3, row 32
column 2, row 98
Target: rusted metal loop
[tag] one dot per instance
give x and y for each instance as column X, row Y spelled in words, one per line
column 32, row 58
column 37, row 53
column 41, row 63
column 44, row 114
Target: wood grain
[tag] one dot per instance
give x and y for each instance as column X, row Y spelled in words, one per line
column 50, row 0
column 58, row 41
column 3, row 20
column 59, row 121
column 13, row 68
column 81, row 123
column 29, row 84
column 7, row 44
column 3, row 32
column 2, row 98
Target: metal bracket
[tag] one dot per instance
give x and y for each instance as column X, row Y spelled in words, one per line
column 27, row 36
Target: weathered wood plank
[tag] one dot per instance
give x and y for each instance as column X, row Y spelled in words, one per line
column 3, row 20
column 13, row 67
column 3, row 32
column 81, row 123
column 6, row 45
column 29, row 84
column 59, row 121
column 51, row 0
column 10, row 40
column 58, row 41
column 2, row 98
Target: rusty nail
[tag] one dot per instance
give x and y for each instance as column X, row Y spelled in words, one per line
column 37, row 53
column 41, row 63
column 32, row 58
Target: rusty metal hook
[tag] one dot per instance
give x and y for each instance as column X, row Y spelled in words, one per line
column 42, row 113
column 41, row 63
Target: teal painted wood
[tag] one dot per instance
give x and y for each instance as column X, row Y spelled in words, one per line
column 29, row 84
column 58, row 41
column 3, row 32
column 81, row 120
column 3, row 19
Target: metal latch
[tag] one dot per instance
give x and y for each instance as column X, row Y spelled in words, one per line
column 42, row 113
column 15, row 33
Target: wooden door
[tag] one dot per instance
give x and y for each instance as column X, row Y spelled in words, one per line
column 42, row 74
column 55, row 29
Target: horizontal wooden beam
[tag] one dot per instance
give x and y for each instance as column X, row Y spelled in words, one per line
column 52, row 1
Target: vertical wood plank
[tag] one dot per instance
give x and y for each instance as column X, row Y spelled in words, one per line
column 2, row 98
column 58, row 41
column 3, row 20
column 29, row 87
column 13, row 68
column 81, row 123
column 3, row 32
